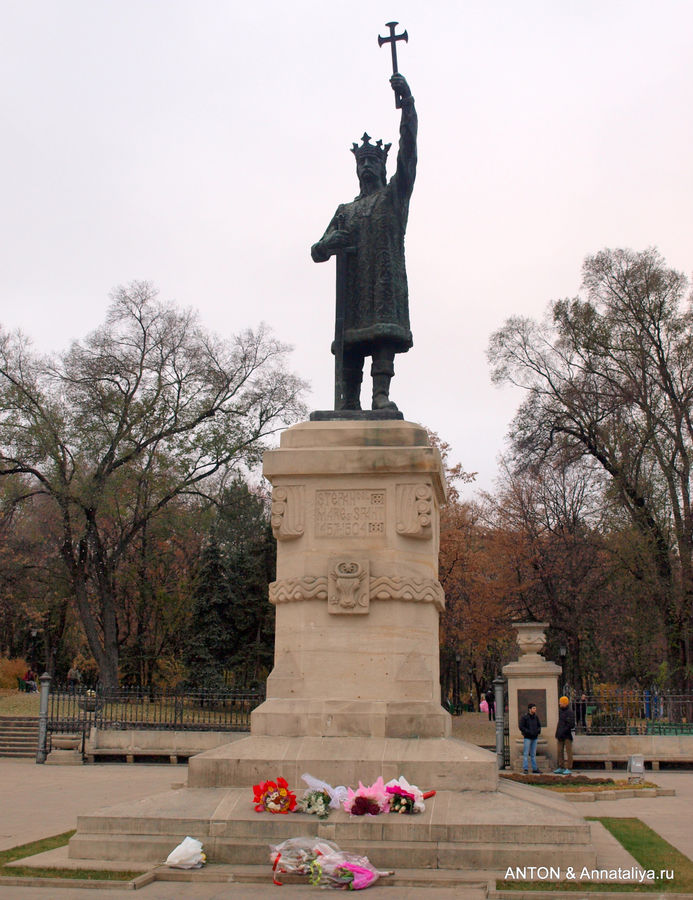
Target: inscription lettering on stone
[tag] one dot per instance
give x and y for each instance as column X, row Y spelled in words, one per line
column 350, row 513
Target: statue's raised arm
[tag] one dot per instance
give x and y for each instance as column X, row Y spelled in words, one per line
column 408, row 126
column 367, row 236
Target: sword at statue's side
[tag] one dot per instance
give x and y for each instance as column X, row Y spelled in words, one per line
column 340, row 305
column 392, row 41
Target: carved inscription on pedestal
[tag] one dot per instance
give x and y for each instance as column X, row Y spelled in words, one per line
column 350, row 513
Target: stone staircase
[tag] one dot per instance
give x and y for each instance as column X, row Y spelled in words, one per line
column 18, row 736
column 470, row 830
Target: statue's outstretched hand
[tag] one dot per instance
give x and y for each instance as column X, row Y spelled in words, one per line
column 400, row 86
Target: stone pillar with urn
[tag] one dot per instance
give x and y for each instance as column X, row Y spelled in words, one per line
column 532, row 679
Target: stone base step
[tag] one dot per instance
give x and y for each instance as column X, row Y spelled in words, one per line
column 481, row 830
column 224, row 873
column 442, row 764
column 383, row 854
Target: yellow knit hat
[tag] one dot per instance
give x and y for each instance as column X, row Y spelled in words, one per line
column 564, row 701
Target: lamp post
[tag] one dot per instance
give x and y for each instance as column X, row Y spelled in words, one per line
column 456, row 695
column 562, row 652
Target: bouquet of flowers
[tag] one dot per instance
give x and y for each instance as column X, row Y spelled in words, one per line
column 316, row 803
column 368, row 801
column 344, row 870
column 405, row 798
column 273, row 796
column 321, row 797
column 297, row 855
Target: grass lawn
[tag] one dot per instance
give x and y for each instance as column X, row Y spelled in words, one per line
column 651, row 851
column 14, row 703
column 58, row 840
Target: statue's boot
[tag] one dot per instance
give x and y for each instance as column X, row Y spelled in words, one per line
column 353, row 377
column 382, row 371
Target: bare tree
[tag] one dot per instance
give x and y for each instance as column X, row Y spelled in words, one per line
column 141, row 411
column 610, row 377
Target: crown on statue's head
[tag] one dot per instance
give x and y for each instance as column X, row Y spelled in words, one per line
column 377, row 150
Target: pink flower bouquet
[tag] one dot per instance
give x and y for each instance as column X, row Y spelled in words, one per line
column 368, row 801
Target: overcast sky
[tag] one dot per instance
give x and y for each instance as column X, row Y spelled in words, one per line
column 204, row 146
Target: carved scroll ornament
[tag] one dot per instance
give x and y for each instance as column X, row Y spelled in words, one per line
column 287, row 516
column 415, row 510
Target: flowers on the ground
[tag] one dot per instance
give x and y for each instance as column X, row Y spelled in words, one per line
column 357, row 877
column 274, row 796
column 324, row 864
column 337, row 794
column 368, row 801
column 405, row 798
column 317, row 803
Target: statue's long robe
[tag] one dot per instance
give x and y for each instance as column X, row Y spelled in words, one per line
column 376, row 294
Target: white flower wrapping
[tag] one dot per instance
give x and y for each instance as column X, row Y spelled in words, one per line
column 336, row 794
column 187, row 855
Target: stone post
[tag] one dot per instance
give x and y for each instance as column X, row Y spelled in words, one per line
column 45, row 681
column 532, row 679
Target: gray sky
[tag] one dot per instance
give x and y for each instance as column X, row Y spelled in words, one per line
column 204, row 146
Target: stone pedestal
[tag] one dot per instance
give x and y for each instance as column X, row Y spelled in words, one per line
column 354, row 693
column 355, row 511
column 532, row 679
column 355, row 514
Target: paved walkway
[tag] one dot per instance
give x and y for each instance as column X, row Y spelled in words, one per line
column 39, row 801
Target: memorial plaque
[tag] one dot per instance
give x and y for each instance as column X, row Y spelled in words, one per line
column 525, row 696
column 350, row 513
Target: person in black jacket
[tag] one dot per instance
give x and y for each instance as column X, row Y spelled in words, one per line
column 564, row 737
column 530, row 727
column 491, row 700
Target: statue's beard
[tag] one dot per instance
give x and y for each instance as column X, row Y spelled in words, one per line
column 368, row 184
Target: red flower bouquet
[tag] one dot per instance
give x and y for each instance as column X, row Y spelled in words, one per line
column 273, row 796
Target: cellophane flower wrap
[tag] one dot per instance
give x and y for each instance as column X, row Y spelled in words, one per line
column 404, row 798
column 298, row 855
column 344, row 870
column 273, row 796
column 368, row 801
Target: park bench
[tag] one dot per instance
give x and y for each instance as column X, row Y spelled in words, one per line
column 23, row 687
column 657, row 749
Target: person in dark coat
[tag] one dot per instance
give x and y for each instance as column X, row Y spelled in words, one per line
column 564, row 737
column 530, row 728
column 491, row 700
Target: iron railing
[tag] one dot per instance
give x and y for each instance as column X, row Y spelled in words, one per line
column 77, row 710
column 624, row 711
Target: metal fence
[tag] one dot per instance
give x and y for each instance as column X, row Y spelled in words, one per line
column 77, row 710
column 633, row 712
